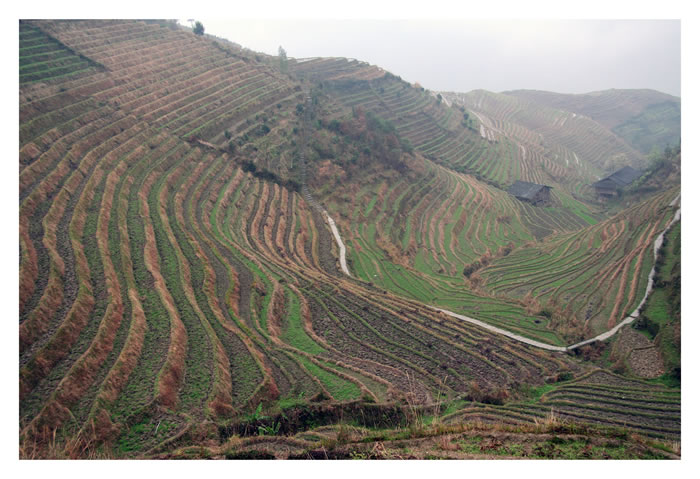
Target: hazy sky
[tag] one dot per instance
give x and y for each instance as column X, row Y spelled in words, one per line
column 567, row 56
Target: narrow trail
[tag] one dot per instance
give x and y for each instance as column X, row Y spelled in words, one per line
column 312, row 201
column 532, row 342
column 503, row 332
column 600, row 337
column 341, row 246
column 650, row 284
column 489, row 327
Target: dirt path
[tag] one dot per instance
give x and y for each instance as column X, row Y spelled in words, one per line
column 522, row 339
column 517, row 337
column 504, row 332
column 307, row 196
column 650, row 284
column 341, row 246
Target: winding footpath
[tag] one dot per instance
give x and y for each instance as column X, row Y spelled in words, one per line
column 310, row 199
column 341, row 246
column 494, row 329
column 650, row 284
column 522, row 339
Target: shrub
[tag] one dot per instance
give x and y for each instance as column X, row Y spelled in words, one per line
column 198, row 28
column 471, row 268
column 645, row 324
column 334, row 125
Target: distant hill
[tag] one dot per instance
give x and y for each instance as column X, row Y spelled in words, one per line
column 643, row 118
column 574, row 149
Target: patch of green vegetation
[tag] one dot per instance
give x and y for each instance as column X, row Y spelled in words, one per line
column 133, row 438
column 199, row 357
column 294, row 333
column 534, row 393
column 141, row 385
column 43, row 57
column 341, row 389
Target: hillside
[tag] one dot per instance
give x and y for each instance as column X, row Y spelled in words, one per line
column 643, row 118
column 180, row 282
column 567, row 144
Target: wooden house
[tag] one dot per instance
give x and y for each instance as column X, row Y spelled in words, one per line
column 610, row 186
column 531, row 192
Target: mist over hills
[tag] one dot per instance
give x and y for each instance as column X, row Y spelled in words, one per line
column 644, row 118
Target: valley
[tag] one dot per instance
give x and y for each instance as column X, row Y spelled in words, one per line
column 223, row 250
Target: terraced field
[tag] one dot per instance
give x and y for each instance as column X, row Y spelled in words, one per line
column 591, row 277
column 559, row 146
column 598, row 397
column 42, row 58
column 428, row 124
column 644, row 118
column 176, row 285
column 417, row 236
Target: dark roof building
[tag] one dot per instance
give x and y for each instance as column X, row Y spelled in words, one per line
column 607, row 187
column 530, row 192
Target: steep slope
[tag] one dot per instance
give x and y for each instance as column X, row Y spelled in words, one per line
column 176, row 286
column 166, row 282
column 421, row 119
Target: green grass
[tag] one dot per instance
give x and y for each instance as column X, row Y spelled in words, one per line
column 340, row 389
column 294, row 333
column 49, row 60
column 131, row 441
column 199, row 357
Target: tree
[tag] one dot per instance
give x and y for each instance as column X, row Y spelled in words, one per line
column 282, row 53
column 198, row 28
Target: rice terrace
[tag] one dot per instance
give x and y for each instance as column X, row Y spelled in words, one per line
column 230, row 254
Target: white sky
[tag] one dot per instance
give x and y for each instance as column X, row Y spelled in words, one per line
column 567, row 56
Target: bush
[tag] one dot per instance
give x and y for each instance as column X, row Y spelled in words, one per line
column 471, row 268
column 198, row 28
column 645, row 324
column 334, row 125
column 249, row 166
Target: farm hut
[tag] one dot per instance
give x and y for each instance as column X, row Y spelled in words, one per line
column 609, row 187
column 530, row 192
